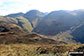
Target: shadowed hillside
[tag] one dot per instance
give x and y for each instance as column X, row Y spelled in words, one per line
column 66, row 26
column 56, row 22
column 34, row 16
column 12, row 33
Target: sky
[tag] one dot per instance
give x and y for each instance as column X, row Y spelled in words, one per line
column 15, row 6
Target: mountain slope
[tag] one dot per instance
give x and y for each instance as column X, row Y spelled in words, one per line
column 24, row 23
column 12, row 28
column 15, row 15
column 66, row 26
column 34, row 16
column 21, row 21
column 56, row 22
column 12, row 33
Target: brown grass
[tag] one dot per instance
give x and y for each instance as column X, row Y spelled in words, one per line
column 36, row 49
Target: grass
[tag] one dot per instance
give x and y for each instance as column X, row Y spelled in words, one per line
column 32, row 45
column 25, row 24
column 20, row 21
column 36, row 49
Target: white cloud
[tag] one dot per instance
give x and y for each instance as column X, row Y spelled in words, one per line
column 1, row 2
column 14, row 6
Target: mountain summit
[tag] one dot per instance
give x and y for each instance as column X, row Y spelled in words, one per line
column 34, row 16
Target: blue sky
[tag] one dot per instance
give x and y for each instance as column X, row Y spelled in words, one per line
column 14, row 6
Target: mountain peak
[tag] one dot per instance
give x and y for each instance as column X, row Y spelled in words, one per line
column 34, row 16
column 33, row 11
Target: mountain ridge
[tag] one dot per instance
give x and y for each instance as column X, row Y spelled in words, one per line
column 62, row 24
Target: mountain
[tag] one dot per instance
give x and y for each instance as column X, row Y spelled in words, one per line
column 78, row 33
column 12, row 33
column 14, row 41
column 67, row 26
column 12, row 28
column 20, row 21
column 75, row 35
column 56, row 22
column 46, row 13
column 24, row 23
column 64, row 26
column 34, row 16
column 53, row 34
column 15, row 15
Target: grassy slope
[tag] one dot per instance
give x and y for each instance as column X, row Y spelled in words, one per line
column 36, row 49
column 34, row 16
column 21, row 44
column 25, row 24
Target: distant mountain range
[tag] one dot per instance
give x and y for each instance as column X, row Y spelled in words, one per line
column 62, row 25
column 58, row 23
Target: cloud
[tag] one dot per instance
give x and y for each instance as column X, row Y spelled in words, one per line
column 1, row 3
column 11, row 6
column 14, row 6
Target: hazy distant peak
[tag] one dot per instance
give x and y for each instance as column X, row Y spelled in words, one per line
column 34, row 12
